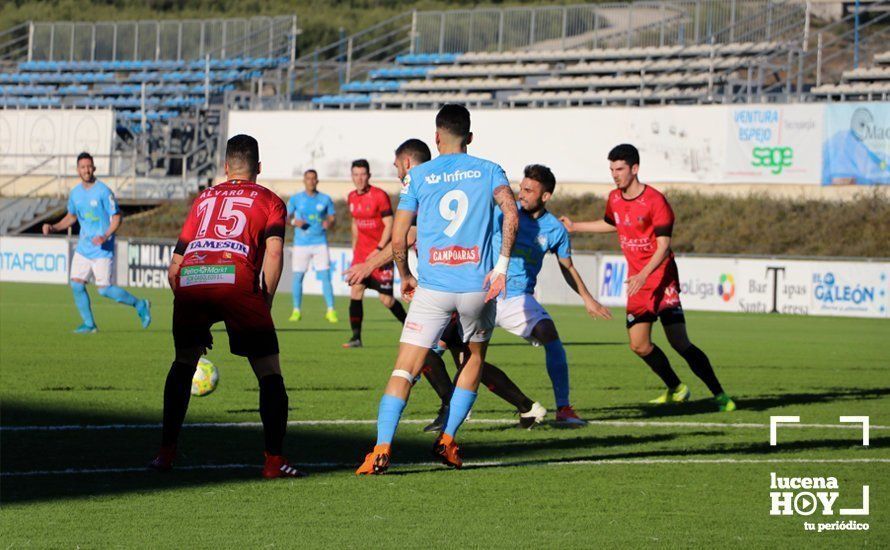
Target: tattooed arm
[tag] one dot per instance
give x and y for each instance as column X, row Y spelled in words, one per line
column 496, row 281
column 503, row 195
column 400, row 230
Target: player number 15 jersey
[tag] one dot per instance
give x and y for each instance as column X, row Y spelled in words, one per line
column 452, row 196
column 223, row 240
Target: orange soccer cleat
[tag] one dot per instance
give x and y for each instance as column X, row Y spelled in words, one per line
column 446, row 450
column 376, row 462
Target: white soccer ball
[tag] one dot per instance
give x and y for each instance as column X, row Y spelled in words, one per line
column 205, row 379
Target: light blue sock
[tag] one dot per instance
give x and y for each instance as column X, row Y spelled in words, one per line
column 324, row 275
column 119, row 295
column 297, row 288
column 82, row 301
column 461, row 402
column 558, row 369
column 388, row 416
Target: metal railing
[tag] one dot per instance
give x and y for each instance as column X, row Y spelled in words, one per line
column 822, row 55
column 61, row 176
column 157, row 40
column 14, row 43
column 787, row 24
column 326, row 68
column 631, row 24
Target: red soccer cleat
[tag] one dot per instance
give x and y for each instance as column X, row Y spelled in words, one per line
column 278, row 466
column 163, row 462
column 566, row 416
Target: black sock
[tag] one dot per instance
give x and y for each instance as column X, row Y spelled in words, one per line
column 356, row 313
column 500, row 384
column 701, row 367
column 398, row 311
column 273, row 412
column 177, row 391
column 437, row 376
column 660, row 365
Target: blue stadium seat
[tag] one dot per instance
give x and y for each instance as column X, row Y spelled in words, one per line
column 351, row 99
column 371, row 86
column 399, row 72
column 427, row 58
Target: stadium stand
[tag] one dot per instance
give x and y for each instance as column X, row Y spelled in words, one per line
column 16, row 213
column 170, row 83
column 868, row 83
column 580, row 76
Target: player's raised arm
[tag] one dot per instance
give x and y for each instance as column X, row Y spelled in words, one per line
column 60, row 225
column 573, row 279
column 596, row 226
column 361, row 271
column 497, row 279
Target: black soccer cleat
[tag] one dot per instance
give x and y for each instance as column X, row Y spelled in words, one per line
column 354, row 343
column 438, row 424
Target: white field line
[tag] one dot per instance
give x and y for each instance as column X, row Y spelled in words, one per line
column 504, row 421
column 471, row 465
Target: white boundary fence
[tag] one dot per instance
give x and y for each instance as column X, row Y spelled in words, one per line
column 831, row 287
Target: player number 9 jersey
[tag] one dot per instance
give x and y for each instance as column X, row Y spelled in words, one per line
column 452, row 196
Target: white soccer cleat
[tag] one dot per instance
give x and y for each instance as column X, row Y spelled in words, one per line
column 536, row 415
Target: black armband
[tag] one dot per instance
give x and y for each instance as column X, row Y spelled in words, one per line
column 664, row 230
column 180, row 247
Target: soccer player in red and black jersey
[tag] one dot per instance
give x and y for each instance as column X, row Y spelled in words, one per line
column 644, row 222
column 372, row 219
column 226, row 267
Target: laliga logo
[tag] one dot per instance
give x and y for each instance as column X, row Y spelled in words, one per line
column 726, row 287
column 805, row 496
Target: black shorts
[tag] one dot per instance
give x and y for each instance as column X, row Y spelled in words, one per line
column 669, row 316
column 246, row 315
column 383, row 287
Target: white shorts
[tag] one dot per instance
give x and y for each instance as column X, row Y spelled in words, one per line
column 431, row 310
column 81, row 267
column 303, row 254
column 519, row 315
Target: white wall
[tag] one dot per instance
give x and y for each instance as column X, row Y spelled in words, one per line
column 706, row 144
column 28, row 136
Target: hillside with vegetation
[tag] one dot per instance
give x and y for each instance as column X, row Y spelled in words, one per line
column 755, row 224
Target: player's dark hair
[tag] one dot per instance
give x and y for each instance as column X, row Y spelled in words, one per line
column 312, row 171
column 542, row 175
column 243, row 150
column 361, row 163
column 85, row 155
column 626, row 152
column 416, row 149
column 454, row 119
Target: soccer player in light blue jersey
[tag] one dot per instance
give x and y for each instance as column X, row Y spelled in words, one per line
column 453, row 197
column 312, row 214
column 518, row 312
column 92, row 205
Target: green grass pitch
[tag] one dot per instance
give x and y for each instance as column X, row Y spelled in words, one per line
column 676, row 476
